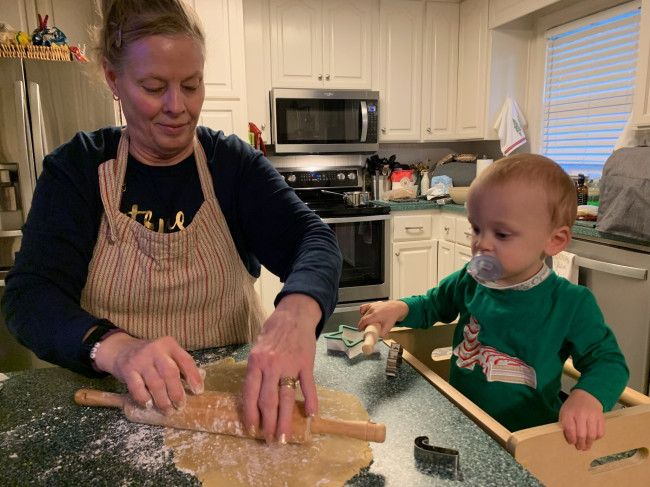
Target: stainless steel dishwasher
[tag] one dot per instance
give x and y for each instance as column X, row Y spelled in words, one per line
column 617, row 274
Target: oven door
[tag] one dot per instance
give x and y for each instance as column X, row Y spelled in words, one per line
column 363, row 242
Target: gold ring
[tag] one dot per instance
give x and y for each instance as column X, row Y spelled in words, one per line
column 288, row 382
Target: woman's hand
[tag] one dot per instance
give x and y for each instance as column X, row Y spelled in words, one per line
column 286, row 347
column 582, row 419
column 151, row 369
column 382, row 313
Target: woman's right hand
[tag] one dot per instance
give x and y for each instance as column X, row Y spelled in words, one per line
column 151, row 369
column 382, row 313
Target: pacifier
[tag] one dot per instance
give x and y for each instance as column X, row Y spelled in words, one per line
column 485, row 268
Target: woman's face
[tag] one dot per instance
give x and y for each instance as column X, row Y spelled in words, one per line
column 161, row 90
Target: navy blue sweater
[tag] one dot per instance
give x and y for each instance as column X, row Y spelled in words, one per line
column 268, row 222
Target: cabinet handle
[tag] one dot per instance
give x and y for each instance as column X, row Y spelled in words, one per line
column 327, row 76
column 429, row 130
column 446, row 228
column 397, row 253
column 320, row 76
column 413, row 228
column 468, row 234
column 383, row 130
column 263, row 126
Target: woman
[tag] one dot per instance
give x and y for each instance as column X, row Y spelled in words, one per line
column 142, row 243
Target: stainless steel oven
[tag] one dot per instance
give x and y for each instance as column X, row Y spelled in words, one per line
column 363, row 234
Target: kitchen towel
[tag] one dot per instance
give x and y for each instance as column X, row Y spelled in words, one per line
column 510, row 126
column 565, row 266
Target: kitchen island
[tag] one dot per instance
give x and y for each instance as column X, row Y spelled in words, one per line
column 46, row 439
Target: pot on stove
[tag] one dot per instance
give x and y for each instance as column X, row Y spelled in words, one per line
column 352, row 198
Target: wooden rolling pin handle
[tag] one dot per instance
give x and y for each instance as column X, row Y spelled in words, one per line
column 90, row 397
column 361, row 430
column 370, row 337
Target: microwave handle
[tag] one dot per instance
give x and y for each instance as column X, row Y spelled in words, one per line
column 364, row 121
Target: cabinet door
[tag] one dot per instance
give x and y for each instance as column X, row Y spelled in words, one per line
column 347, row 50
column 415, row 267
column 462, row 255
column 296, row 43
column 268, row 287
column 446, row 259
column 226, row 115
column 641, row 100
column 440, row 71
column 472, row 70
column 400, row 78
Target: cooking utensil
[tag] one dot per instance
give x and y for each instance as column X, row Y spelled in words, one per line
column 221, row 412
column 354, row 198
column 370, row 337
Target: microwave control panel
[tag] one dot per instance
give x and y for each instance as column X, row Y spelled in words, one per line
column 372, row 121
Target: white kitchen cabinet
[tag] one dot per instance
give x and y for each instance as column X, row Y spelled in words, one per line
column 414, row 254
column 440, row 71
column 454, row 248
column 641, row 99
column 473, row 52
column 225, row 73
column 268, row 286
column 322, row 43
column 400, row 68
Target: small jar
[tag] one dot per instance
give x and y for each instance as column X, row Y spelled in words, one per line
column 424, row 183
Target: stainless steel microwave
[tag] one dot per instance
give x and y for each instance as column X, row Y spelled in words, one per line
column 324, row 121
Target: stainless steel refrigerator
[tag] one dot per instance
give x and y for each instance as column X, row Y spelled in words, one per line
column 42, row 105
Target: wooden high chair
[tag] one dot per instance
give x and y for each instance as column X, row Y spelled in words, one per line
column 546, row 454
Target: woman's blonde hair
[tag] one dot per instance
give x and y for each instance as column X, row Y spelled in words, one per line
column 126, row 21
column 540, row 171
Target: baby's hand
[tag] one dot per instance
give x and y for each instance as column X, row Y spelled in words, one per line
column 382, row 313
column 582, row 419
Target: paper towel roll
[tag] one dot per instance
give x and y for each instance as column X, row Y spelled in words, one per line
column 481, row 164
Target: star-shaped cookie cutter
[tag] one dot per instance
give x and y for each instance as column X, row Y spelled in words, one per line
column 349, row 340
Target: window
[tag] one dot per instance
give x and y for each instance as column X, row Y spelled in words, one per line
column 590, row 72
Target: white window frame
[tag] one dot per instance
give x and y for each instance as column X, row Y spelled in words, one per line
column 589, row 158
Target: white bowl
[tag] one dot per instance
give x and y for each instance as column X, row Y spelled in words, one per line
column 459, row 194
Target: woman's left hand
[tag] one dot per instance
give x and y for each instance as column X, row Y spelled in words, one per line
column 285, row 348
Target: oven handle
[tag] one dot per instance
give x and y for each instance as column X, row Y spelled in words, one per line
column 364, row 121
column 356, row 219
column 346, row 309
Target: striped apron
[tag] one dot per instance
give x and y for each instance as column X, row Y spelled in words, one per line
column 191, row 284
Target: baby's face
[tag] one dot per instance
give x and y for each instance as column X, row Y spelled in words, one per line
column 511, row 223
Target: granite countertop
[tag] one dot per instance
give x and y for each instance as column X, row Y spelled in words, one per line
column 46, row 439
column 580, row 228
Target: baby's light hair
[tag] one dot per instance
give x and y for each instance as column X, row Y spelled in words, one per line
column 539, row 171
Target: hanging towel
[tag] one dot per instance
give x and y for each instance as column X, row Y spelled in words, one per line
column 510, row 126
column 565, row 266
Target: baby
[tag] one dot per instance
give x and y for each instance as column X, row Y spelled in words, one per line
column 518, row 321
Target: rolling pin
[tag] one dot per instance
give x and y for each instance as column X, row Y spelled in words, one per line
column 370, row 337
column 221, row 412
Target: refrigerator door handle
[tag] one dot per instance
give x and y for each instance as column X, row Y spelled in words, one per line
column 26, row 174
column 38, row 124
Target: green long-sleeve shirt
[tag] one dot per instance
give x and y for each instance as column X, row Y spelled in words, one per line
column 510, row 345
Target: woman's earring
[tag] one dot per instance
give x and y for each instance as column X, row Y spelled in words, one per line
column 115, row 97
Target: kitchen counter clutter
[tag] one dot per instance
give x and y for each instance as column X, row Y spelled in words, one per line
column 583, row 228
column 46, row 439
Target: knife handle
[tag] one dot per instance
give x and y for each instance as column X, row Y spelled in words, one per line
column 361, row 430
column 91, row 397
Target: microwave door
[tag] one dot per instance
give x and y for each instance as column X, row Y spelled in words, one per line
column 364, row 121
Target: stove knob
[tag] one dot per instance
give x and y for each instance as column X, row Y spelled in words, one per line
column 352, row 175
column 291, row 178
column 340, row 176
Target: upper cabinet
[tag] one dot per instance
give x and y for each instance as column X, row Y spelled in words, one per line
column 321, row 43
column 400, row 66
column 503, row 11
column 440, row 71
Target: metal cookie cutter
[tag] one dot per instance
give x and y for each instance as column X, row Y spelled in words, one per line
column 394, row 359
column 436, row 460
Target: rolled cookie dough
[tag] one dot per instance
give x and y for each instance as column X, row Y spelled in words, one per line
column 218, row 460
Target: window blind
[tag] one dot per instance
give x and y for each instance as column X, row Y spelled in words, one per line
column 590, row 72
